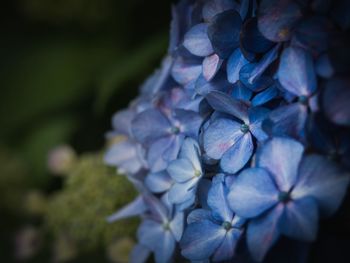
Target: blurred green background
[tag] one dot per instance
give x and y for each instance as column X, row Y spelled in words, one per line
column 65, row 67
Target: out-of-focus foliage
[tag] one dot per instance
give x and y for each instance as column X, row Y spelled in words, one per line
column 91, row 192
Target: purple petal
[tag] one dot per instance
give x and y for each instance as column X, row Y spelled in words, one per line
column 214, row 7
column 201, row 239
column 277, row 18
column 252, row 193
column 197, row 41
column 220, row 136
column 300, row 219
column 227, row 248
column 217, row 200
column 135, row 208
column 224, row 103
column 296, row 72
column 211, row 66
column 281, row 157
column 336, row 99
column 224, row 31
column 158, row 182
column 235, row 158
column 234, row 64
column 184, row 71
column 263, row 232
column 323, row 180
column 146, row 133
column 199, row 215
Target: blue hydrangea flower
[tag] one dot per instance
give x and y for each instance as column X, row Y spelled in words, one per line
column 212, row 233
column 230, row 140
column 285, row 193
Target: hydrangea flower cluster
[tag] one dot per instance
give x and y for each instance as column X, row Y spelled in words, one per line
column 242, row 136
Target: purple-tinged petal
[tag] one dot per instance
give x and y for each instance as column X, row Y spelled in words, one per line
column 184, row 70
column 190, row 150
column 177, row 225
column 190, row 122
column 224, row 31
column 287, row 120
column 181, row 170
column 211, row 66
column 214, row 7
column 234, row 64
column 135, row 208
column 217, row 200
column 149, row 126
column 281, row 157
column 323, row 180
column 252, row 193
column 227, row 248
column 235, row 158
column 201, row 239
column 300, row 219
column 251, row 38
column 197, row 42
column 220, row 136
column 265, row 96
column 296, row 72
column 241, row 92
column 155, row 153
column 139, row 254
column 198, row 215
column 277, row 18
column 263, row 232
column 324, row 67
column 182, row 192
column 224, row 103
column 158, row 182
column 336, row 99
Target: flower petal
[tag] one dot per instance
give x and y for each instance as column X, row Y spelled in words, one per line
column 190, row 150
column 197, row 42
column 199, row 215
column 227, row 248
column 241, row 92
column 181, row 170
column 214, row 7
column 181, row 193
column 177, row 225
column 186, row 70
column 234, row 64
column 252, row 193
column 135, row 208
column 265, row 96
column 139, row 254
column 256, row 116
column 190, row 122
column 211, row 66
column 281, row 157
column 158, row 182
column 238, row 155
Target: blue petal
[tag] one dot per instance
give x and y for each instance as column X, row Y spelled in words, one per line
column 156, row 207
column 224, row 31
column 281, row 157
column 323, row 180
column 121, row 121
column 165, row 251
column 190, row 150
column 241, row 92
column 177, row 225
column 300, row 219
column 190, row 122
column 287, row 120
column 201, row 239
column 155, row 153
column 265, row 96
column 158, row 182
column 139, row 254
column 217, row 200
column 199, row 215
column 135, row 208
column 149, row 233
column 220, row 136
column 184, row 70
column 227, row 248
column 211, row 66
column 288, row 13
column 181, row 170
column 252, row 193
column 251, row 38
column 263, row 232
column 181, row 193
column 234, row 64
column 336, row 99
column 219, row 83
column 146, row 133
column 238, row 155
column 214, row 7
column 197, row 41
column 324, row 67
column 296, row 72
column 225, row 104
column 256, row 116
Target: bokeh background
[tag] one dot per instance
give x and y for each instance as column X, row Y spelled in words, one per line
column 65, row 67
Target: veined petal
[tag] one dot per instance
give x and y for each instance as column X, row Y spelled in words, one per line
column 263, row 232
column 197, row 42
column 238, row 155
column 190, row 150
column 281, row 157
column 300, row 219
column 220, row 136
column 323, row 180
column 252, row 193
column 181, row 170
column 201, row 239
